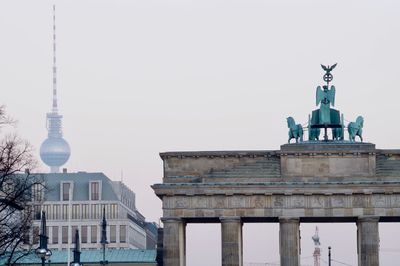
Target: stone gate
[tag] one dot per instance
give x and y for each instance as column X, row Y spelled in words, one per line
column 308, row 182
column 311, row 181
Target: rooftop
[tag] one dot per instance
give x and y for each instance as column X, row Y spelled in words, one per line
column 131, row 256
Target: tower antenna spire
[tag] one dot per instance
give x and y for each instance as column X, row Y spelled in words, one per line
column 55, row 107
column 55, row 150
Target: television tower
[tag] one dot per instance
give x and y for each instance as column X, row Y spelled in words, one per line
column 317, row 250
column 54, row 151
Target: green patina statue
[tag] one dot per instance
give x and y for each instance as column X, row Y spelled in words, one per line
column 295, row 131
column 326, row 117
column 355, row 128
column 327, row 98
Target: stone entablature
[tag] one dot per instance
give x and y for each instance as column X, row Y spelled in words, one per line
column 262, row 202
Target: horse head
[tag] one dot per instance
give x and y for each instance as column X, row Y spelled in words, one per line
column 360, row 121
column 290, row 122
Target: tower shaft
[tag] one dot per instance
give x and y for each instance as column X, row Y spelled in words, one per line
column 54, row 151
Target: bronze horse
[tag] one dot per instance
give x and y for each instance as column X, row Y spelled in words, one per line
column 355, row 129
column 295, row 131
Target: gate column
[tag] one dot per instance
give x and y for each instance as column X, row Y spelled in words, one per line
column 289, row 241
column 231, row 241
column 174, row 242
column 368, row 241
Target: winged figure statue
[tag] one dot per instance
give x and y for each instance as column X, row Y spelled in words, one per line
column 326, row 97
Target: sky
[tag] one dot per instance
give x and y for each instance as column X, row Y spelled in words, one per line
column 140, row 77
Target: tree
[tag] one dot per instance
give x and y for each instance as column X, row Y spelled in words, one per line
column 16, row 192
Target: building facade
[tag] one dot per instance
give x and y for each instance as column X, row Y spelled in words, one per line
column 77, row 200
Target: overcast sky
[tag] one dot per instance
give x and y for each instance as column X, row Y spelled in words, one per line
column 136, row 78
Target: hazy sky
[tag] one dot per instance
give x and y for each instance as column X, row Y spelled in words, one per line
column 141, row 77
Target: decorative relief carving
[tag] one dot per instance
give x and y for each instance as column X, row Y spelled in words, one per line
column 182, row 202
column 358, row 201
column 219, row 202
column 257, row 202
column 237, row 202
column 297, row 201
column 199, row 202
column 395, row 200
column 278, row 201
column 378, row 200
column 317, row 202
column 338, row 201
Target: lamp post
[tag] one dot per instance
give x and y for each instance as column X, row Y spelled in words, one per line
column 329, row 256
column 42, row 251
column 103, row 240
column 77, row 253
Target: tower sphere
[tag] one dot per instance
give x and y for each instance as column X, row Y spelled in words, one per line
column 55, row 152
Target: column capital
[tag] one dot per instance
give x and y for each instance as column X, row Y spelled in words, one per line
column 289, row 219
column 171, row 220
column 230, row 219
column 368, row 219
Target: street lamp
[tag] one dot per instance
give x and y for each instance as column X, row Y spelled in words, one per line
column 77, row 253
column 329, row 256
column 103, row 240
column 42, row 251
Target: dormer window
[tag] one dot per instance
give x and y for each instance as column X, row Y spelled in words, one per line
column 66, row 191
column 95, row 190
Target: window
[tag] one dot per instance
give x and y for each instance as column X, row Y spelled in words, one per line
column 73, row 232
column 49, row 213
column 95, row 212
column 65, row 212
column 113, row 233
column 25, row 237
column 55, row 235
column 93, row 233
column 106, row 208
column 94, row 191
column 122, row 233
column 65, row 190
column 85, row 211
column 113, row 214
column 65, row 234
column 75, row 211
column 37, row 192
column 56, row 212
column 84, row 234
column 35, row 235
column 36, row 212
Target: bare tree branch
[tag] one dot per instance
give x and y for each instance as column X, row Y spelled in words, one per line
column 16, row 187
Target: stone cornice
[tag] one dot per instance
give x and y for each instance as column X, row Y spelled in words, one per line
column 279, row 188
column 291, row 151
column 218, row 154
